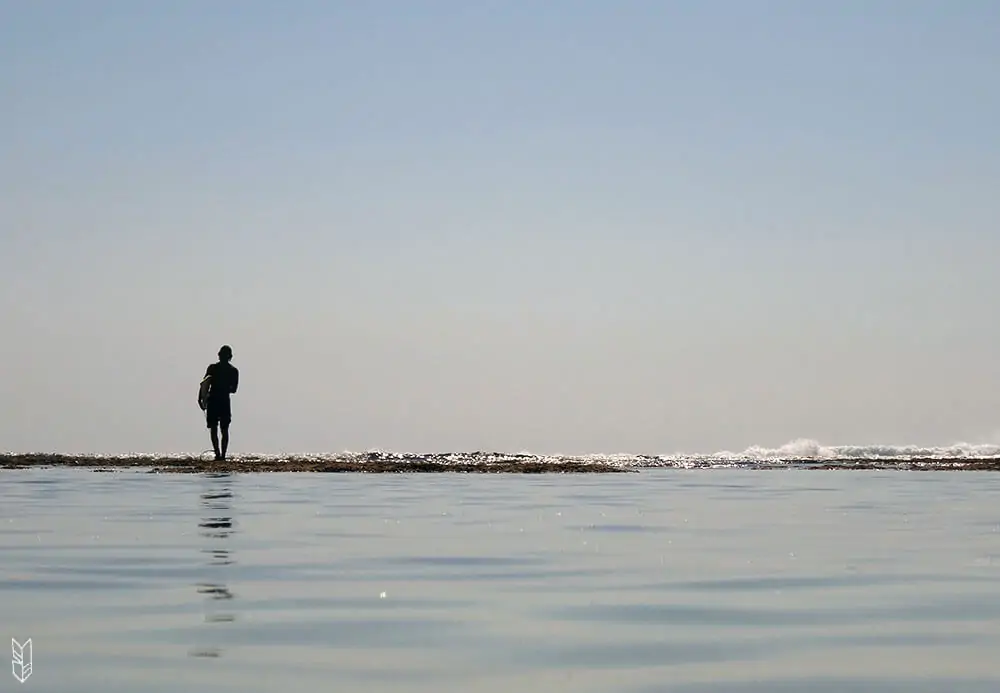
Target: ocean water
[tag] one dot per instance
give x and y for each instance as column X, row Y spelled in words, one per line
column 676, row 580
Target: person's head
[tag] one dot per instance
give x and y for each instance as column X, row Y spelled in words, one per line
column 226, row 353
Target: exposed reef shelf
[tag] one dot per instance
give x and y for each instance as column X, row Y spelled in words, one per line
column 373, row 464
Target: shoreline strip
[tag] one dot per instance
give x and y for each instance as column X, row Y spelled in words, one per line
column 475, row 462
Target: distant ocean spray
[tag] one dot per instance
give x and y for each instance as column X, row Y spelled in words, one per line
column 804, row 448
column 801, row 451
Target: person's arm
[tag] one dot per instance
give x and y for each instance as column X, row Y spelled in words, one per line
column 236, row 379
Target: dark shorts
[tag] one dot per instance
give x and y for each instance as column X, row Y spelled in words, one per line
column 218, row 412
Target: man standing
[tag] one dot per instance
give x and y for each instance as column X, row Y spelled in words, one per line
column 225, row 378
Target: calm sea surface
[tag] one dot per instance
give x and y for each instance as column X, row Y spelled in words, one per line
column 683, row 581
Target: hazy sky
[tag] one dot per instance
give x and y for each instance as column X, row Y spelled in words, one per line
column 557, row 226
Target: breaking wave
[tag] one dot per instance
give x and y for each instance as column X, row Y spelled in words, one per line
column 810, row 449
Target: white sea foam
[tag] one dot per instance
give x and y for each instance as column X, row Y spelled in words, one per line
column 795, row 451
column 810, row 449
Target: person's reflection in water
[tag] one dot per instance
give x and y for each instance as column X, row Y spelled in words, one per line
column 217, row 527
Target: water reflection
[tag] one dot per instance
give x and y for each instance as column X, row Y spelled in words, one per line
column 216, row 526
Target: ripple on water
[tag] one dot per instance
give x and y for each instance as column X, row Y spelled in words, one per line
column 722, row 582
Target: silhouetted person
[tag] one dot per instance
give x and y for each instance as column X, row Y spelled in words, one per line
column 218, row 414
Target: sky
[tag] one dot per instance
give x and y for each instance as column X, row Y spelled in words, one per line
column 558, row 227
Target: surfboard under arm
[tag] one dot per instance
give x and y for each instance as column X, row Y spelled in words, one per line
column 203, row 389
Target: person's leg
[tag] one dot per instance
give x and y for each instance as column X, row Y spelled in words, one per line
column 212, row 419
column 225, row 437
column 225, row 418
column 215, row 441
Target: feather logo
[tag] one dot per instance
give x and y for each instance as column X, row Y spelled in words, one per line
column 22, row 659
